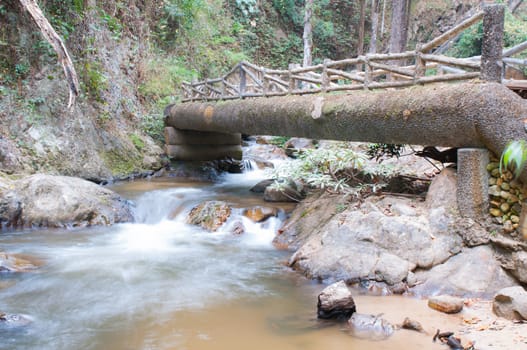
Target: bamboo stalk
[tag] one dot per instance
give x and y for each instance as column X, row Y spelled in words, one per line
column 350, row 76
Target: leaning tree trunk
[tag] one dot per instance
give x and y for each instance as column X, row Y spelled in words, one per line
column 374, row 25
column 514, row 4
column 308, row 33
column 399, row 26
column 58, row 45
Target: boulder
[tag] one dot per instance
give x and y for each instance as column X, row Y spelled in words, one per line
column 209, row 215
column 261, row 186
column 283, row 191
column 511, row 303
column 259, row 213
column 296, row 144
column 62, row 201
column 519, row 260
column 376, row 243
column 370, row 327
column 446, row 303
column 336, row 302
column 474, row 272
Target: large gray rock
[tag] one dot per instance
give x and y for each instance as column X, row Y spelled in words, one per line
column 511, row 303
column 473, row 272
column 61, row 201
column 336, row 302
column 283, row 190
column 383, row 241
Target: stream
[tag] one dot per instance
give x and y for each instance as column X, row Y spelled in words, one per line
column 162, row 284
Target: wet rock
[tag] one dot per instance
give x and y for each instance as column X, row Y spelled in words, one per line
column 61, row 201
column 283, row 191
column 210, row 215
column 511, row 303
column 474, row 271
column 10, row 209
column 412, row 325
column 296, row 144
column 13, row 263
column 519, row 270
column 336, row 302
column 370, row 327
column 13, row 320
column 259, row 214
column 446, row 303
column 261, row 186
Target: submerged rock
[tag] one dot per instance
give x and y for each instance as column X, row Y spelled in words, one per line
column 259, row 214
column 209, row 215
column 13, row 263
column 62, row 201
column 370, row 327
column 13, row 320
column 446, row 303
column 336, row 302
column 511, row 303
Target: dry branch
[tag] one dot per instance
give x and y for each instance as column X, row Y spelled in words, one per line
column 56, row 42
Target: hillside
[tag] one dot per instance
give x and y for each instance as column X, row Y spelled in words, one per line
column 131, row 56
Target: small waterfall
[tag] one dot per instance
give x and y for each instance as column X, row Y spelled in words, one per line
column 156, row 206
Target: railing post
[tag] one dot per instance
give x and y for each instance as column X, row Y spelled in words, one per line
column 492, row 45
column 325, row 77
column 265, row 82
column 420, row 64
column 243, row 81
column 367, row 72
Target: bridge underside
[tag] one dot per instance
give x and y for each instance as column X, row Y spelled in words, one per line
column 475, row 114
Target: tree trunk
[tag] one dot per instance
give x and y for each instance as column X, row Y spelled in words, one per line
column 514, row 4
column 383, row 16
column 360, row 45
column 58, row 45
column 308, row 33
column 374, row 25
column 399, row 25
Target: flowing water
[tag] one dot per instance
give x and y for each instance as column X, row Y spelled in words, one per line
column 162, row 284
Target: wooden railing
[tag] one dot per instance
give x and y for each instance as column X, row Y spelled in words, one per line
column 371, row 71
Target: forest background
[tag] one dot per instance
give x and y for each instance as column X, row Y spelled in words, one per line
column 132, row 55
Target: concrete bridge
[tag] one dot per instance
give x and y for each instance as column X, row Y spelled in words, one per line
column 383, row 100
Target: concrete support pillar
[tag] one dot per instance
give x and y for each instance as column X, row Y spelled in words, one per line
column 189, row 145
column 492, row 44
column 472, row 182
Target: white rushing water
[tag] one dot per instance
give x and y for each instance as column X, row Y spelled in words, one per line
column 101, row 281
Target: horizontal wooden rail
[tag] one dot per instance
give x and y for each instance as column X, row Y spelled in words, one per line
column 370, row 71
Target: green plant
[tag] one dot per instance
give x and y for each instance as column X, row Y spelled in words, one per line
column 94, row 80
column 137, row 141
column 514, row 157
column 325, row 168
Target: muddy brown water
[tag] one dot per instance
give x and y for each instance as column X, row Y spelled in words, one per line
column 162, row 284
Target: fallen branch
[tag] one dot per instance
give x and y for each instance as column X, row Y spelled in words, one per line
column 58, row 45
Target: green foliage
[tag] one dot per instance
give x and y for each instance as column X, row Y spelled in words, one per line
column 379, row 150
column 469, row 44
column 325, row 168
column 514, row 157
column 137, row 141
column 21, row 70
column 94, row 80
column 153, row 125
column 112, row 23
column 278, row 141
